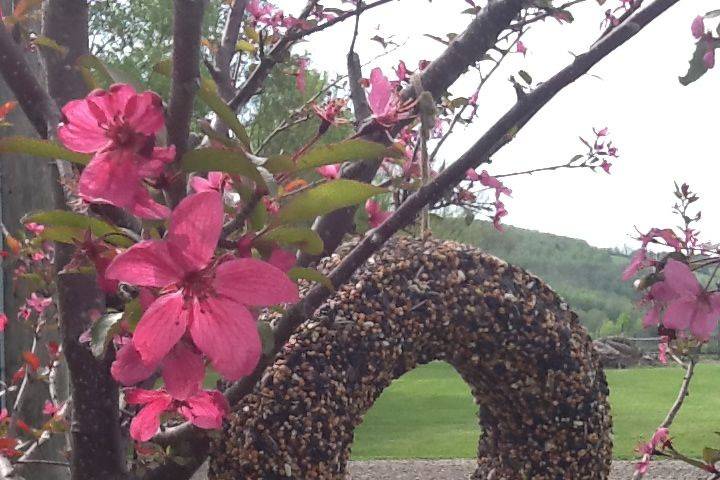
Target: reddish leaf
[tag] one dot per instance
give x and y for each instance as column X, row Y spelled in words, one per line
column 32, row 360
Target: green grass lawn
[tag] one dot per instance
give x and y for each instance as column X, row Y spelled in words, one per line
column 429, row 413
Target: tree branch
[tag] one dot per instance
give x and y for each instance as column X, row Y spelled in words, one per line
column 95, row 423
column 185, row 81
column 258, row 76
column 98, row 451
column 226, row 51
column 187, row 30
column 468, row 48
column 682, row 393
column 32, row 97
column 354, row 68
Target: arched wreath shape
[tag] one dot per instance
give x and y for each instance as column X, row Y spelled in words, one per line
column 531, row 367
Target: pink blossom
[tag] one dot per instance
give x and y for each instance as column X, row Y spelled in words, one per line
column 602, row 132
column 49, row 408
column 183, row 369
column 660, row 438
column 214, row 181
column 118, row 118
column 330, row 172
column 500, row 212
column 38, row 302
column 376, row 215
column 402, row 72
column 118, row 126
column 665, row 234
column 662, row 349
column 330, row 113
column 472, row 175
column 282, row 259
column 687, row 306
column 605, row 165
column 637, row 262
column 384, row 100
column 520, row 47
column 205, row 409
column 488, row 180
column 662, row 353
column 35, row 228
column 300, row 75
column 709, row 58
column 116, row 177
column 698, row 27
column 205, row 298
column 3, row 322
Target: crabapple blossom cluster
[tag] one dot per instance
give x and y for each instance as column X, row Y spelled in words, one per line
column 676, row 300
column 118, row 127
column 198, row 305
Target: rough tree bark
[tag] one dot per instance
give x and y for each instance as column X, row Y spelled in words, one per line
column 98, row 450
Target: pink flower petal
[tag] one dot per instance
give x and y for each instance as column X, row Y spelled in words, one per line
column 147, row 116
column 205, row 409
column 698, row 27
column 145, row 207
column 200, row 184
column 282, row 259
column 154, row 166
column 183, row 371
column 195, row 227
column 680, row 278
column 161, row 327
column 81, row 132
column 380, row 92
column 226, row 332
column 679, row 314
column 253, row 282
column 147, row 264
column 110, row 177
column 147, row 421
column 636, row 263
column 128, row 368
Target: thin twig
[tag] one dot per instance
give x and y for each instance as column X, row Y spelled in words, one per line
column 682, row 393
column 260, row 73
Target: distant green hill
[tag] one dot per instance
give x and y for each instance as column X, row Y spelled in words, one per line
column 587, row 277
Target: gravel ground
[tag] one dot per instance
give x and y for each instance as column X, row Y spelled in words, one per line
column 462, row 469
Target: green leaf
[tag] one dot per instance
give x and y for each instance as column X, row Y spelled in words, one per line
column 697, row 65
column 267, row 337
column 208, row 93
column 525, row 76
column 258, row 217
column 105, row 75
column 303, row 238
column 245, row 46
column 278, row 164
column 64, row 226
column 41, row 148
column 325, row 198
column 347, row 151
column 47, row 42
column 102, row 332
column 222, row 160
column 312, row 275
column 133, row 312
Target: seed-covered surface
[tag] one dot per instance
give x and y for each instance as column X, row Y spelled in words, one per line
column 530, row 365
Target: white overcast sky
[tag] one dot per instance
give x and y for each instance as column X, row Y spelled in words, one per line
column 665, row 132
